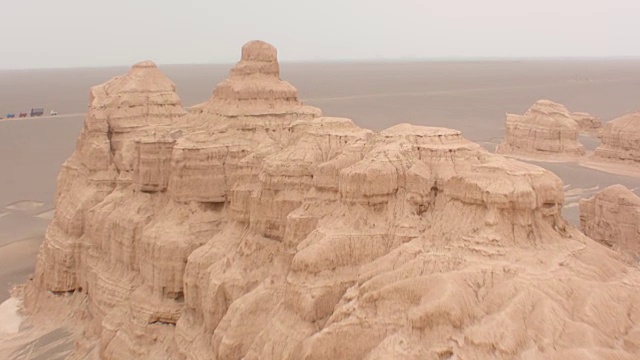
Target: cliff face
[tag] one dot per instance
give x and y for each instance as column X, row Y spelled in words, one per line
column 621, row 139
column 612, row 217
column 134, row 108
column 255, row 228
column 546, row 129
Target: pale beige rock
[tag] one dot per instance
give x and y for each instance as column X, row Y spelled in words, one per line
column 621, row 140
column 254, row 89
column 254, row 228
column 587, row 123
column 122, row 112
column 152, row 170
column 612, row 217
column 546, row 129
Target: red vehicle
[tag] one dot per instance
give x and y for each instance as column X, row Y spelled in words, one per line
column 23, row 114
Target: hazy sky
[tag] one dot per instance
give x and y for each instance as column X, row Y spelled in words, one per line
column 67, row 33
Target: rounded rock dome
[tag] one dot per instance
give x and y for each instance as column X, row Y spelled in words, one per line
column 259, row 51
column 145, row 64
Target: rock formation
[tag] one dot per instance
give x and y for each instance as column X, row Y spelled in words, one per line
column 612, row 217
column 587, row 123
column 123, row 112
column 546, row 129
column 254, row 228
column 621, row 139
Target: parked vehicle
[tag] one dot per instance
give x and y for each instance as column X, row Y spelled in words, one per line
column 11, row 116
column 23, row 114
column 53, row 113
column 37, row 112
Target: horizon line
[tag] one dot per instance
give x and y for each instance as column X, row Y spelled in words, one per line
column 357, row 61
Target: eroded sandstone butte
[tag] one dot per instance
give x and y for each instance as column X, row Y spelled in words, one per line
column 587, row 123
column 612, row 217
column 621, row 140
column 546, row 129
column 254, row 228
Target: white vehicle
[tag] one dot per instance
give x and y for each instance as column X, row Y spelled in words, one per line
column 53, row 113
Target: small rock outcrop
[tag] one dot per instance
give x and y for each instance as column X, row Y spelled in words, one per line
column 621, row 140
column 547, row 129
column 587, row 123
column 254, row 89
column 612, row 217
column 255, row 228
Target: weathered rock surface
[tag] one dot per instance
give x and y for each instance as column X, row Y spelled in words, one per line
column 587, row 123
column 254, row 94
column 124, row 113
column 612, row 217
column 254, row 228
column 621, row 139
column 546, row 129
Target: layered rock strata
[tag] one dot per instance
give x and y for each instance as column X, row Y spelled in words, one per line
column 125, row 115
column 612, row 217
column 254, row 228
column 621, row 140
column 546, row 129
column 587, row 123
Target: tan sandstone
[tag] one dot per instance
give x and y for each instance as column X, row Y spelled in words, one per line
column 547, row 129
column 254, row 228
column 587, row 123
column 621, row 140
column 612, row 217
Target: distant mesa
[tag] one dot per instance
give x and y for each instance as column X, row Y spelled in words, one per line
column 621, row 140
column 549, row 132
column 612, row 217
column 546, row 129
column 587, row 123
column 580, row 78
column 253, row 227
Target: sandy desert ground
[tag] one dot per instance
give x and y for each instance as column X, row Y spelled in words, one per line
column 471, row 96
